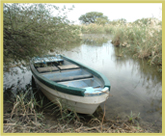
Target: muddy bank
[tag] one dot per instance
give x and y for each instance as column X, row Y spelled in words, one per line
column 45, row 121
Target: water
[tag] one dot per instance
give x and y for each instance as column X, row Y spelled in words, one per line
column 135, row 86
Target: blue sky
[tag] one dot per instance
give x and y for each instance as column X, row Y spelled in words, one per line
column 114, row 11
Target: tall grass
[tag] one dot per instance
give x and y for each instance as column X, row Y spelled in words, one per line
column 60, row 110
column 25, row 106
column 143, row 37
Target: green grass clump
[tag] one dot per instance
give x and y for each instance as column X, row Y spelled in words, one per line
column 132, row 118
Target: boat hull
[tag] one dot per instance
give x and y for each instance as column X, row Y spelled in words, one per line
column 79, row 104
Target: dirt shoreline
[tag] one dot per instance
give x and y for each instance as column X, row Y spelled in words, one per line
column 50, row 123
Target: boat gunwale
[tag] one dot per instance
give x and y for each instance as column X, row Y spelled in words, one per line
column 94, row 72
column 64, row 88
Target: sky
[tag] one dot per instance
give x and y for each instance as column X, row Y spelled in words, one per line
column 114, row 11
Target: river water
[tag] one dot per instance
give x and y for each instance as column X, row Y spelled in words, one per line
column 135, row 86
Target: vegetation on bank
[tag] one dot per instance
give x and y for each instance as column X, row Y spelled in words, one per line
column 31, row 112
column 143, row 37
column 31, row 30
column 144, row 40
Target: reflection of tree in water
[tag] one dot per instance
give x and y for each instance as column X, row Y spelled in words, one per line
column 95, row 39
column 149, row 78
column 146, row 71
column 15, row 79
column 156, row 106
column 18, row 77
column 68, row 47
column 98, row 42
column 11, row 91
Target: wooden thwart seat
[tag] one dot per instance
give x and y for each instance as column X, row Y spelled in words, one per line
column 47, row 69
column 70, row 78
column 65, row 67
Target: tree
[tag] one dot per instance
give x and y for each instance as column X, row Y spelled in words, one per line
column 30, row 30
column 91, row 17
column 101, row 21
column 122, row 20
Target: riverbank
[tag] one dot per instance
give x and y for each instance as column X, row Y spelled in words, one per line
column 32, row 112
column 50, row 123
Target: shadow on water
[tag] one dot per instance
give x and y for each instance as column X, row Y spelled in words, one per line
column 29, row 90
column 136, row 86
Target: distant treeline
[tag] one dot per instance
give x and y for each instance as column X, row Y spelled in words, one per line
column 31, row 30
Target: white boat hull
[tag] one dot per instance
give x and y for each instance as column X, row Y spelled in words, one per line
column 80, row 104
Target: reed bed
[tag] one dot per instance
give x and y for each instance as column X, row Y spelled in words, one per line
column 143, row 38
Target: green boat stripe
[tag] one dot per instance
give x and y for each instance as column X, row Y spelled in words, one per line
column 66, row 89
column 94, row 72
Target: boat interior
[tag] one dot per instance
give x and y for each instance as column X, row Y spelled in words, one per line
column 64, row 72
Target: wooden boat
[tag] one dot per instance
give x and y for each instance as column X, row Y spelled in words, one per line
column 77, row 86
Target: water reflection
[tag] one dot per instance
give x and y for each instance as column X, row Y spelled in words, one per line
column 95, row 40
column 136, row 86
column 14, row 80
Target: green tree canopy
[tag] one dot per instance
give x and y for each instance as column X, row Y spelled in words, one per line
column 31, row 29
column 91, row 17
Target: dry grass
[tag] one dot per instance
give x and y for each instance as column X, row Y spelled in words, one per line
column 144, row 40
column 26, row 119
column 31, row 112
column 94, row 126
